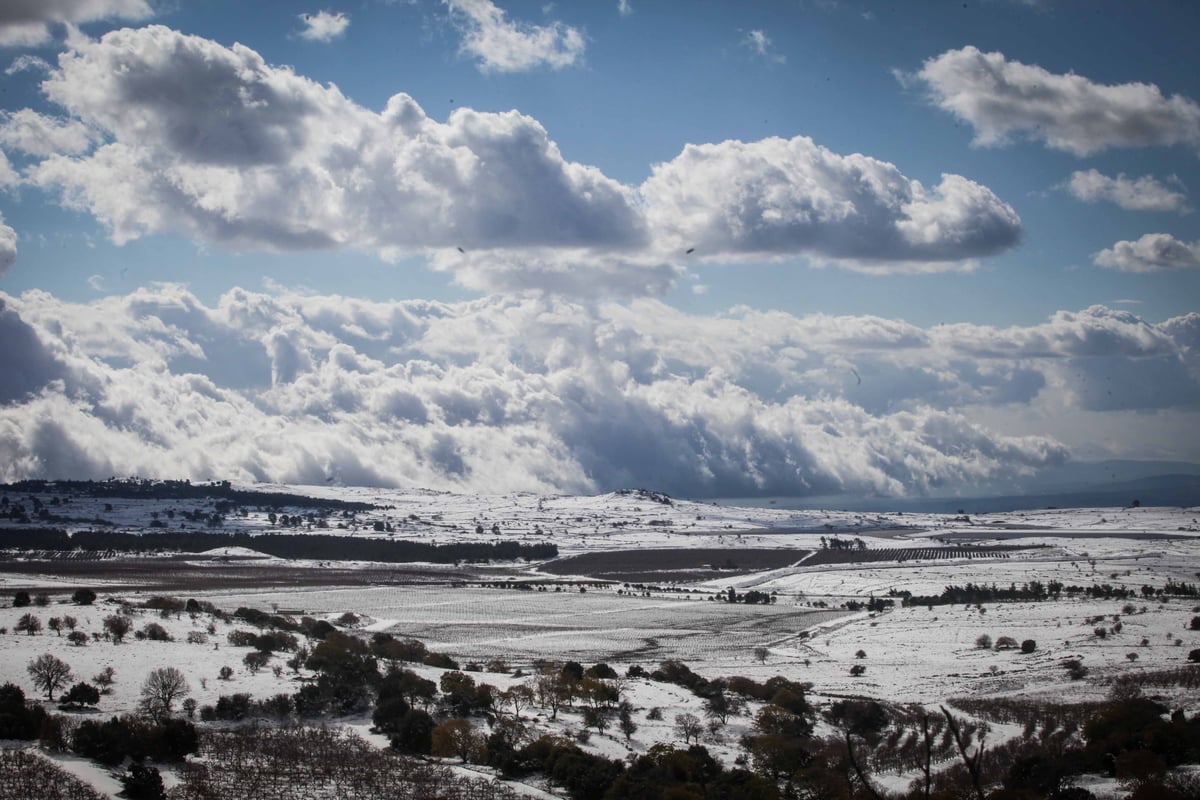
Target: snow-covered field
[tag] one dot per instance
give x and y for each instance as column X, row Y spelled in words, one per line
column 919, row 654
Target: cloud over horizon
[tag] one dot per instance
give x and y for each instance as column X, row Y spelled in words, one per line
column 512, row 393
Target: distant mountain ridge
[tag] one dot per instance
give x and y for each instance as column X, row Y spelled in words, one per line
column 1103, row 484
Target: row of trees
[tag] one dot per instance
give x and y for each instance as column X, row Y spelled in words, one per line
column 972, row 593
column 326, row 547
column 142, row 489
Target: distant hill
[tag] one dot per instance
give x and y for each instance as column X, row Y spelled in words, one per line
column 1083, row 485
column 1162, row 490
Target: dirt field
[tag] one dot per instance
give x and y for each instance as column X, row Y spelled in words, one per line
column 189, row 573
column 651, row 565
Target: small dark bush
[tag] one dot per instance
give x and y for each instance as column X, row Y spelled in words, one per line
column 81, row 694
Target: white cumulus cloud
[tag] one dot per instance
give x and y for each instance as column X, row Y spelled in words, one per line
column 1002, row 99
column 760, row 44
column 40, row 135
column 27, row 63
column 500, row 44
column 8, row 175
column 1135, row 194
column 212, row 142
column 27, row 22
column 505, row 393
column 792, row 196
column 543, row 394
column 324, row 26
column 167, row 133
column 8, row 248
column 1151, row 253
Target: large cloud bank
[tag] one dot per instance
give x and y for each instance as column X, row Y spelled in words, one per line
column 542, row 394
column 169, row 133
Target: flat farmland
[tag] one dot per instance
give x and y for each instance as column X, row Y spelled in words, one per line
column 519, row 626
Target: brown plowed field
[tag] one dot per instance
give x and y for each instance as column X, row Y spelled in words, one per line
column 651, row 565
column 902, row 554
column 178, row 573
column 641, row 566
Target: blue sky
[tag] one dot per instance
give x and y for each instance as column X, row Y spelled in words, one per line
column 989, row 203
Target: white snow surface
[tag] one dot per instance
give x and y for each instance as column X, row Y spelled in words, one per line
column 915, row 654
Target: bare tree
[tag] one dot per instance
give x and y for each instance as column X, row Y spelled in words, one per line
column 105, row 679
column 971, row 762
column 627, row 725
column 49, row 674
column 117, row 626
column 689, row 727
column 455, row 737
column 760, row 654
column 518, row 696
column 162, row 688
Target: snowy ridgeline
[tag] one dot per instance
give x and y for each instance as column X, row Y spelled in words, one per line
column 618, row 520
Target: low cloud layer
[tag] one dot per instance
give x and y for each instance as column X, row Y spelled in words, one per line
column 1004, row 99
column 1153, row 252
column 165, row 133
column 542, row 394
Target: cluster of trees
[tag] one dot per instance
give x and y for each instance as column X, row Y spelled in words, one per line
column 750, row 598
column 134, row 737
column 984, row 642
column 25, row 773
column 972, row 593
column 134, row 488
column 1132, row 738
column 326, row 547
column 837, row 543
column 151, row 735
column 262, row 761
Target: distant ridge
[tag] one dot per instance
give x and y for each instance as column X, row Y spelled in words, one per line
column 1161, row 490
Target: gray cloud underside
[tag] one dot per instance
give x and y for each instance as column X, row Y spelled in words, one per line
column 1003, row 99
column 26, row 22
column 1152, row 252
column 1135, row 194
column 547, row 395
column 211, row 142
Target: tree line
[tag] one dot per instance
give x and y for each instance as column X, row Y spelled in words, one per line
column 145, row 489
column 325, row 547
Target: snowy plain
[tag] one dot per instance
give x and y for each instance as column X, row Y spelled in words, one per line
column 917, row 654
